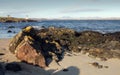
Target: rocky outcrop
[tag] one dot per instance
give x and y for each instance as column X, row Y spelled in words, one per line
column 38, row 46
column 29, row 47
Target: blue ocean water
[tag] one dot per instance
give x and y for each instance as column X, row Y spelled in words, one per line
column 103, row 26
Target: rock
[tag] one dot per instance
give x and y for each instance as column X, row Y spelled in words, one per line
column 13, row 67
column 37, row 46
column 11, row 27
column 29, row 52
column 100, row 66
column 9, row 31
column 19, row 37
column 106, row 66
column 97, row 65
column 16, row 41
column 28, row 46
column 103, row 59
column 9, row 21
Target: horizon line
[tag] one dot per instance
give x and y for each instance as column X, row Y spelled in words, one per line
column 69, row 18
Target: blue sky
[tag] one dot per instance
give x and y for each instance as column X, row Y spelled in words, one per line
column 60, row 8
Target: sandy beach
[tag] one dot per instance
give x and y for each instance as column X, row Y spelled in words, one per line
column 72, row 64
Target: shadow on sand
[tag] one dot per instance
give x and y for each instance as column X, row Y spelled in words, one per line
column 72, row 70
column 28, row 69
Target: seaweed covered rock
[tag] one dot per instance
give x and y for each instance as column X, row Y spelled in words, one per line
column 91, row 38
column 99, row 45
column 36, row 46
column 29, row 47
column 64, row 37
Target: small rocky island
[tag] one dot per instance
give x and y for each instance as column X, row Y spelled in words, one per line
column 38, row 47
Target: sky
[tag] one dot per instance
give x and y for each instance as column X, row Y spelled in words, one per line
column 60, row 8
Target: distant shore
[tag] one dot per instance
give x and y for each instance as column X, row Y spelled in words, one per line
column 13, row 19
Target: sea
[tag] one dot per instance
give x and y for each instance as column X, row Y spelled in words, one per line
column 9, row 30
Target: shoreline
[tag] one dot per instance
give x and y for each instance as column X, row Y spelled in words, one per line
column 102, row 27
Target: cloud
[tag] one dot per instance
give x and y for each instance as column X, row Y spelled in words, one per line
column 15, row 12
column 1, row 12
column 81, row 10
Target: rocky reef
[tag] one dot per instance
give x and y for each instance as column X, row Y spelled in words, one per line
column 38, row 47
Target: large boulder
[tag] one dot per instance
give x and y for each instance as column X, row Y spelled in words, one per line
column 28, row 46
column 19, row 37
column 30, row 51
